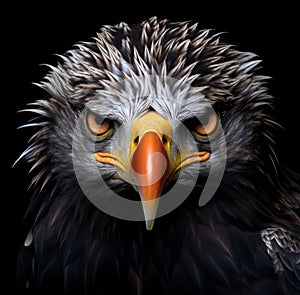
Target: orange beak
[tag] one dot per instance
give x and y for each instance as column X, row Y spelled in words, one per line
column 150, row 165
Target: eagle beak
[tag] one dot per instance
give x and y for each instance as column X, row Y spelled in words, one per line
column 150, row 167
column 150, row 161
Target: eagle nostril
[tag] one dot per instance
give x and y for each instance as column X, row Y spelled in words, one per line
column 164, row 140
column 136, row 140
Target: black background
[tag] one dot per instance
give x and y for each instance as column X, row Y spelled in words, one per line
column 32, row 34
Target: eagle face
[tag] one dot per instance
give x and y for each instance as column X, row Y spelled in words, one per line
column 150, row 143
column 149, row 119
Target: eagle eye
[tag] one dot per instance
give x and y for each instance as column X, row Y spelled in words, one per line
column 97, row 126
column 204, row 126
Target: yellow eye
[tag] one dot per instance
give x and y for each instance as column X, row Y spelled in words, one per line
column 207, row 125
column 97, row 126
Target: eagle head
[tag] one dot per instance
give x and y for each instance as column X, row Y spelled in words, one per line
column 150, row 112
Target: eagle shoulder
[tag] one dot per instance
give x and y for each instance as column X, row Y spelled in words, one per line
column 284, row 249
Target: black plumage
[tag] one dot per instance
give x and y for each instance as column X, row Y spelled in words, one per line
column 245, row 240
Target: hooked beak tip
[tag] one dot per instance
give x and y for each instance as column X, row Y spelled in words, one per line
column 150, row 209
column 149, row 224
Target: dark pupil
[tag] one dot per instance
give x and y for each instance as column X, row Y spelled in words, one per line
column 204, row 120
column 99, row 120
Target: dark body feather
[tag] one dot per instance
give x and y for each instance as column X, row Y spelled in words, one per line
column 215, row 249
column 244, row 241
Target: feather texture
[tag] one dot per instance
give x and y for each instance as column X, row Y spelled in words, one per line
column 244, row 241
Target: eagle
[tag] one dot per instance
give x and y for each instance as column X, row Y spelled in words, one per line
column 155, row 172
